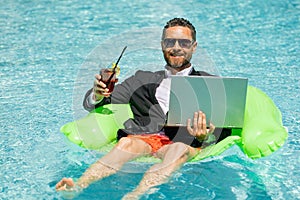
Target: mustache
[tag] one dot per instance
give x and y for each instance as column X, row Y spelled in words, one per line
column 176, row 53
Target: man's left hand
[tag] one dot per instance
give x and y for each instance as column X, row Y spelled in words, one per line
column 199, row 129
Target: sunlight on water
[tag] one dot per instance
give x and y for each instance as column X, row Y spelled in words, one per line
column 50, row 52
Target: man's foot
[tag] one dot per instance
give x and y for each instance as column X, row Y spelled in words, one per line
column 65, row 184
column 68, row 188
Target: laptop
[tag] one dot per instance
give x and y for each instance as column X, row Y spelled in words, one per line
column 222, row 99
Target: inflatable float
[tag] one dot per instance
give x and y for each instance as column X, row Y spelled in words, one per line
column 262, row 134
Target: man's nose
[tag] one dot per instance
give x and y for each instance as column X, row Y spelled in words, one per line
column 176, row 45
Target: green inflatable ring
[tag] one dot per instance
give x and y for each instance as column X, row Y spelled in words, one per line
column 262, row 134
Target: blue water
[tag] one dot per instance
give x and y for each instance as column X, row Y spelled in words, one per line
column 50, row 51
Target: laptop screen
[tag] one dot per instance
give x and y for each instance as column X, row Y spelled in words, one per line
column 222, row 99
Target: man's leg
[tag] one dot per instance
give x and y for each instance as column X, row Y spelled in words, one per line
column 126, row 150
column 173, row 157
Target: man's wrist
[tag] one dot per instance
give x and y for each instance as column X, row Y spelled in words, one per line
column 209, row 137
column 97, row 98
column 93, row 99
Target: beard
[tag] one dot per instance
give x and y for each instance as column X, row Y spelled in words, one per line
column 176, row 59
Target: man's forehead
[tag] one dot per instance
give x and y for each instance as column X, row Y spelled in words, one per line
column 178, row 32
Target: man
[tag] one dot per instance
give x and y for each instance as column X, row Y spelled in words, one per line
column 148, row 95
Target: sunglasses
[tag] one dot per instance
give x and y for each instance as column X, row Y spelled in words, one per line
column 183, row 43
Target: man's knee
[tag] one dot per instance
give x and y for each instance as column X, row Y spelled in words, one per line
column 179, row 146
column 125, row 143
column 180, row 150
column 133, row 145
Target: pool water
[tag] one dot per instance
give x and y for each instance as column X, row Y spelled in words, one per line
column 50, row 51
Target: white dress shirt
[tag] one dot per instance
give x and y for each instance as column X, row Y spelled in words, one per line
column 163, row 90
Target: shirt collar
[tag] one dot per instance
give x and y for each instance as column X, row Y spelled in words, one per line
column 184, row 72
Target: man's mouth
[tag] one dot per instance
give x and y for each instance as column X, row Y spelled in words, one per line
column 176, row 55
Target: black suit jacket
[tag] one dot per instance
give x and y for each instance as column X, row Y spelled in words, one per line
column 139, row 91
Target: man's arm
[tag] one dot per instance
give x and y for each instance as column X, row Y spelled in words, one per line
column 89, row 103
column 98, row 96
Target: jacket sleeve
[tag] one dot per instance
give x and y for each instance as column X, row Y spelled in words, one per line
column 120, row 95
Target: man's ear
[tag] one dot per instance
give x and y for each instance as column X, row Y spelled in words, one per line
column 194, row 47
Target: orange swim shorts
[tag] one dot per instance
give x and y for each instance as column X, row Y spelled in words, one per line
column 156, row 140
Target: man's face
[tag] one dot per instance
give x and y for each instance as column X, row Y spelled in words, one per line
column 178, row 46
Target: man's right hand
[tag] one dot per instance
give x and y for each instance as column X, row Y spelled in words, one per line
column 100, row 89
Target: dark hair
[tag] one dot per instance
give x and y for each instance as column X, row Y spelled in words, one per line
column 180, row 22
